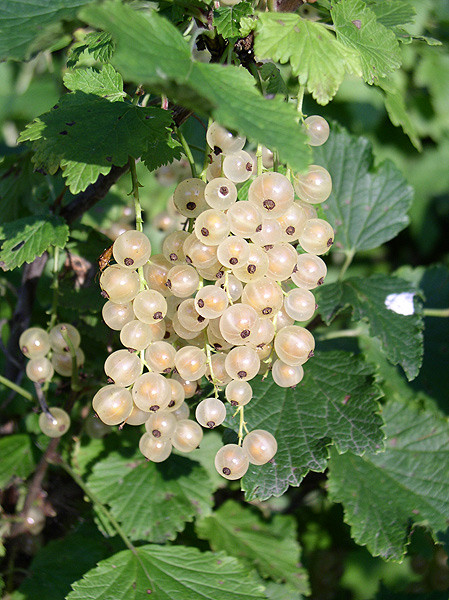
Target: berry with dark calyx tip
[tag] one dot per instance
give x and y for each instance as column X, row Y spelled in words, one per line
column 231, row 461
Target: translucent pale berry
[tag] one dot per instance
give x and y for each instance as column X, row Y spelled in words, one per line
column 210, row 412
column 256, row 267
column 34, row 342
column 137, row 416
column 182, row 281
column 154, row 449
column 198, row 254
column 161, row 425
column 242, row 363
column 62, row 362
column 238, row 166
column 119, row 284
column 222, row 140
column 211, row 302
column 150, row 306
column 281, row 261
column 314, row 186
column 57, row 340
column 132, row 249
column 286, row 375
column 117, row 315
column 123, row 367
column 151, row 392
column 260, row 445
column 160, row 357
column 113, row 404
column 238, row 393
column 187, row 436
column 317, row 130
column 309, row 272
column 173, row 246
column 233, row 251
column 272, row 193
column 39, row 369
column 155, row 273
column 190, row 363
column 244, row 218
column 189, row 198
column 264, row 295
column 300, row 304
column 136, row 335
column 294, row 345
column 237, row 323
column 231, row 461
column 292, row 222
column 212, row 227
column 317, row 236
column 220, row 193
column 55, row 425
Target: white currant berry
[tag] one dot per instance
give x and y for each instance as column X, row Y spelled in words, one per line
column 294, row 345
column 132, row 249
column 39, row 370
column 285, row 375
column 188, row 435
column 272, row 193
column 113, row 404
column 314, row 186
column 57, row 424
column 231, row 461
column 317, row 130
column 210, row 413
column 151, row 392
column 34, row 342
column 123, row 367
column 260, row 446
column 119, row 285
column 188, row 197
column 238, row 393
column 317, row 236
column 154, row 449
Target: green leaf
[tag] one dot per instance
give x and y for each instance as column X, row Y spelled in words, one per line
column 382, row 493
column 168, row 573
column 397, row 111
column 278, row 591
column 18, row 458
column 368, row 206
column 316, row 57
column 202, row 87
column 152, row 502
column 432, row 379
column 22, row 191
column 227, row 18
column 357, row 28
column 392, row 308
column 269, row 546
column 104, row 82
column 98, row 44
column 161, row 152
column 27, row 238
column 392, row 13
column 21, row 22
column 86, row 134
column 59, row 563
column 334, row 403
column 275, row 84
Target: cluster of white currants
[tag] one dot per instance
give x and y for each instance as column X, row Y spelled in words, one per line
column 50, row 353
column 220, row 301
